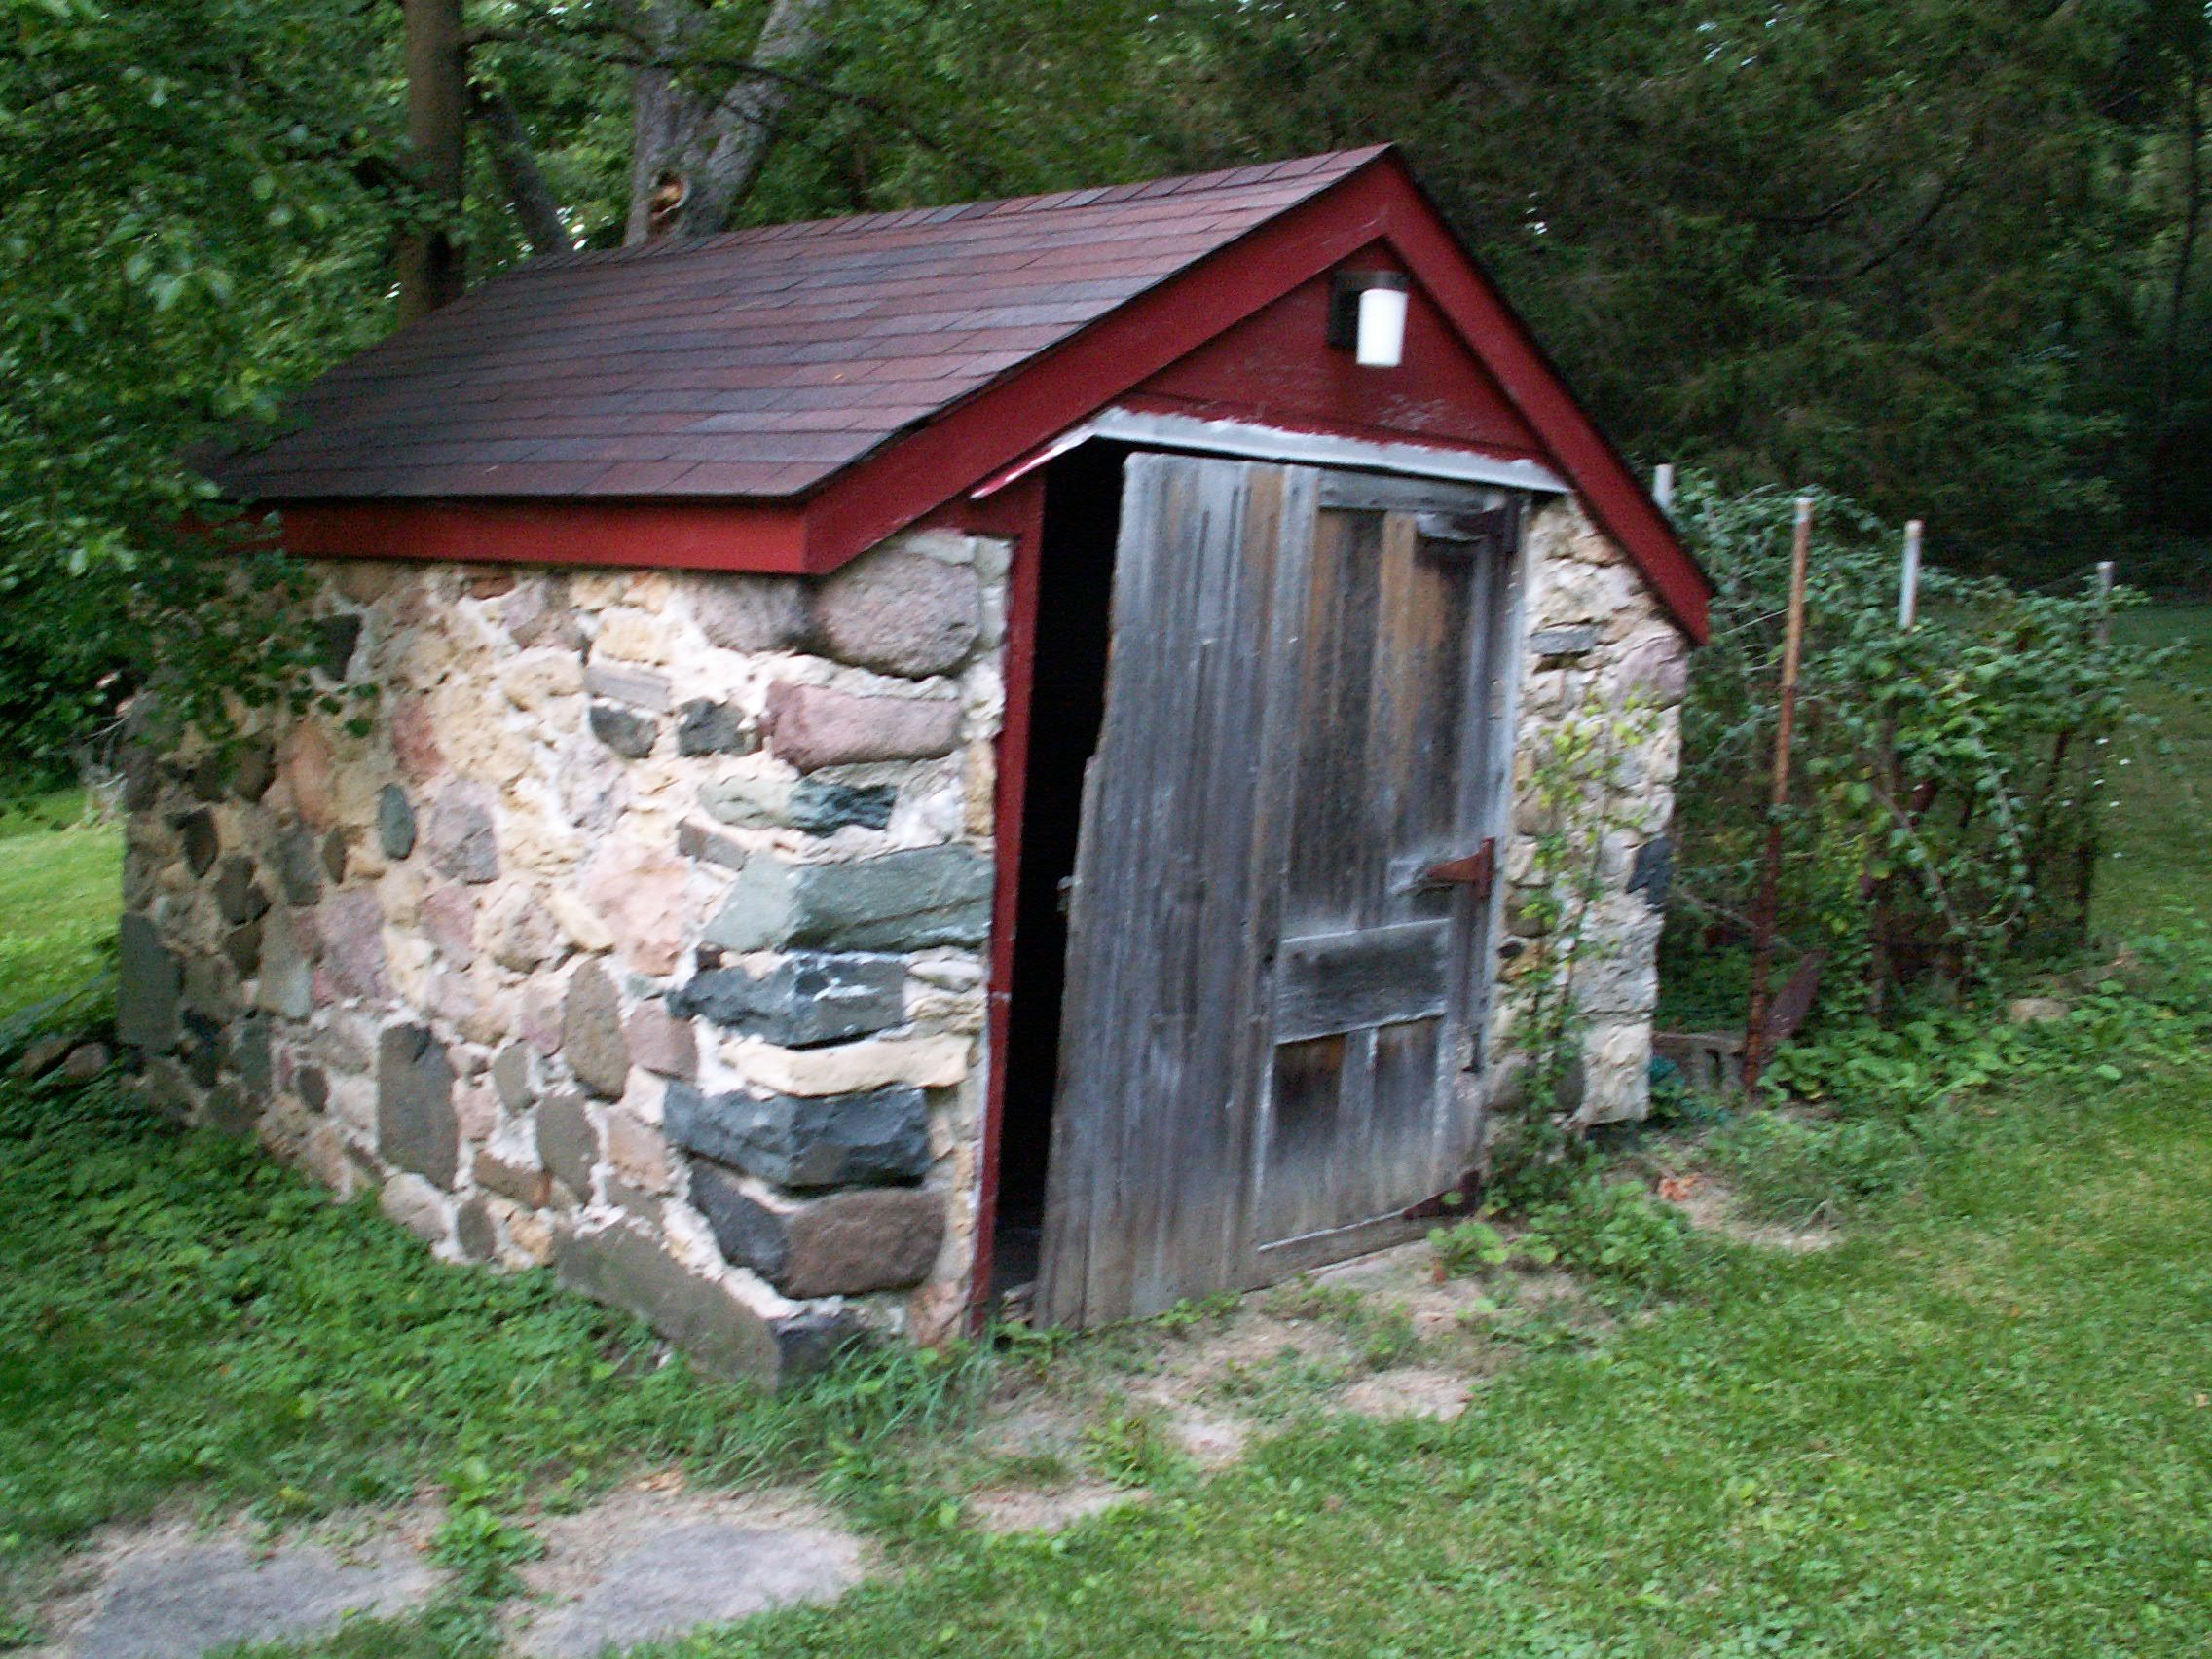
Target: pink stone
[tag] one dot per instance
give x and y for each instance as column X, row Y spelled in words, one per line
column 543, row 1008
column 638, row 1152
column 309, row 767
column 638, row 892
column 813, row 726
column 414, row 743
column 449, row 916
column 663, row 1042
column 350, row 924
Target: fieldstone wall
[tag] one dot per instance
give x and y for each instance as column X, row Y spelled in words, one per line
column 642, row 932
column 1598, row 651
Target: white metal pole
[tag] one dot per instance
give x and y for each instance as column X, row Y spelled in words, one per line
column 1909, row 590
column 1663, row 486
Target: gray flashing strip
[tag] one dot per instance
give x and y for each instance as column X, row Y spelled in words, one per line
column 1191, row 433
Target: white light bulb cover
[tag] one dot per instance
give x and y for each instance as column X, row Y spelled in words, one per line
column 1381, row 328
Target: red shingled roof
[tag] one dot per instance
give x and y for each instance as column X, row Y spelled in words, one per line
column 752, row 365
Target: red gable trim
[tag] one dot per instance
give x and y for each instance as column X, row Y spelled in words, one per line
column 919, row 472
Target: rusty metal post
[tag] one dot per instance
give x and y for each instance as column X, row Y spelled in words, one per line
column 1763, row 911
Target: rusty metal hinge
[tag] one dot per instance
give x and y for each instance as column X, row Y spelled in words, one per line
column 1477, row 869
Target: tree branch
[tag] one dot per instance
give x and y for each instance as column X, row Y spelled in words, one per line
column 508, row 143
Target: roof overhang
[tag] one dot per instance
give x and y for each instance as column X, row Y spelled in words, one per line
column 1073, row 386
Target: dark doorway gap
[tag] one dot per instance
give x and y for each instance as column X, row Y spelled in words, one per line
column 1083, row 508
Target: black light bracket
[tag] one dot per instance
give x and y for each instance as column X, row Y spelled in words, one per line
column 1344, row 289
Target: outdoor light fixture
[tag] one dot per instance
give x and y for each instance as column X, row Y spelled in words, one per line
column 1367, row 317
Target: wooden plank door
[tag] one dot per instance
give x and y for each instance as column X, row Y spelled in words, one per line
column 1151, row 1125
column 1267, row 1008
column 1370, row 1099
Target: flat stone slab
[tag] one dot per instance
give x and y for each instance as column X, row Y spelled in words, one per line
column 695, row 1574
column 179, row 1603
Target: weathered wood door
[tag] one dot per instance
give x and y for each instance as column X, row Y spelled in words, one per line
column 1267, row 1037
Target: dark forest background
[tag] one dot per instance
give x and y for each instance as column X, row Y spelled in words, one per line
column 1944, row 257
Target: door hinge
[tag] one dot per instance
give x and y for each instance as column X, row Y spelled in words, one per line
column 1477, row 869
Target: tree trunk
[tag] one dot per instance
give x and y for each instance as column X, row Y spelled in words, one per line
column 693, row 160
column 437, row 104
column 535, row 203
column 2192, row 221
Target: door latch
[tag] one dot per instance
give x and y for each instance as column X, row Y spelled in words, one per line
column 1477, row 870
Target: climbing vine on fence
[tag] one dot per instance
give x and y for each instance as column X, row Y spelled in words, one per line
column 1952, row 777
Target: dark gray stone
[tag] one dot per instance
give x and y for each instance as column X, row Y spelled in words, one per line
column 591, row 1032
column 416, row 1127
column 904, row 900
column 395, row 822
column 813, row 1340
column 898, row 902
column 1564, row 641
column 228, row 1112
column 254, row 770
column 142, row 778
column 43, row 1053
column 299, row 872
column 203, row 1048
column 695, row 840
column 568, row 1144
column 821, row 807
column 148, row 986
column 196, row 831
column 237, row 894
column 211, row 989
column 250, row 1057
column 705, row 728
column 192, row 1599
column 474, row 1232
column 313, row 1087
column 86, row 1061
column 621, row 1264
column 1653, row 872
column 457, row 834
column 242, row 947
column 334, row 854
column 900, row 612
column 287, row 966
column 629, row 734
column 335, row 637
column 211, row 774
column 837, row 1140
column 809, row 998
column 843, row 1244
column 510, row 1075
column 527, row 1184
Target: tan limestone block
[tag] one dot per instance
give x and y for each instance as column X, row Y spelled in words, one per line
column 584, row 927
column 537, row 677
column 639, row 637
column 851, row 1068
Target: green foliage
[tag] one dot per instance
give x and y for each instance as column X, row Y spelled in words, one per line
column 178, row 1312
column 1951, row 781
column 60, row 889
column 1614, row 1231
column 1131, row 1447
column 1801, row 1171
column 1922, row 250
column 475, row 1541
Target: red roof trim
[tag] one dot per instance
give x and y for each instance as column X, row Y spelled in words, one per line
column 916, row 472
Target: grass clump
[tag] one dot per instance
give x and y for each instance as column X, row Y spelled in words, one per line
column 178, row 1314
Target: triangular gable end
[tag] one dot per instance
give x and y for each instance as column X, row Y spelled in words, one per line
column 1196, row 317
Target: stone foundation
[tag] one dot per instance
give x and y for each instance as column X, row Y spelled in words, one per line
column 638, row 925
column 642, row 932
column 1597, row 647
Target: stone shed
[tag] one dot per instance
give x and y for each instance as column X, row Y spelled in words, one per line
column 981, row 752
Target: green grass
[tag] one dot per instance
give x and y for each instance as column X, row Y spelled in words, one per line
column 1982, row 1428
column 2158, row 858
column 181, row 1317
column 60, row 890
